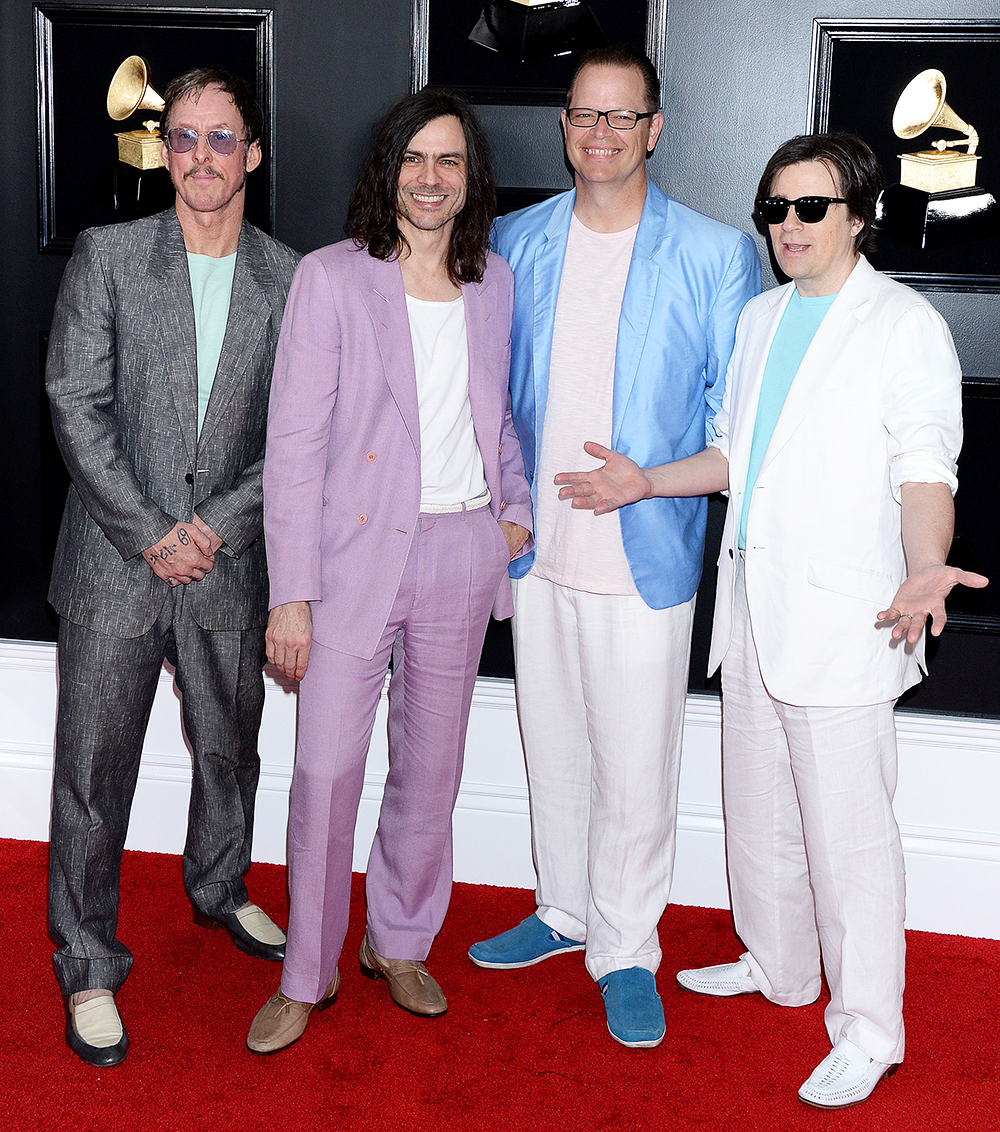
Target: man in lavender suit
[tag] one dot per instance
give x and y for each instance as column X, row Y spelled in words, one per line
column 395, row 497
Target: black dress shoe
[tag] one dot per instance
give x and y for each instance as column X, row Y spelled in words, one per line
column 246, row 927
column 98, row 1018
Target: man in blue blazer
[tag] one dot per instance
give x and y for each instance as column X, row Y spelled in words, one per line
column 625, row 312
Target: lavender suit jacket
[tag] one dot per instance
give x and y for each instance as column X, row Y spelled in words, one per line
column 342, row 469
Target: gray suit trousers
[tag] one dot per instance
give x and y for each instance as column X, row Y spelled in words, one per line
column 106, row 689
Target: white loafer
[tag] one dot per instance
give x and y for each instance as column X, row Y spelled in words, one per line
column 844, row 1077
column 722, row 980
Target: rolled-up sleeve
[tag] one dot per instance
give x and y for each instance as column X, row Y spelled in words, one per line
column 921, row 400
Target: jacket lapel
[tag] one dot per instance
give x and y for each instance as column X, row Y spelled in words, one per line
column 480, row 309
column 172, row 314
column 249, row 319
column 637, row 303
column 546, row 273
column 821, row 357
column 385, row 301
column 746, row 395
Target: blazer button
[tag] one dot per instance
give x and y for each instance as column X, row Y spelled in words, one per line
column 371, row 457
column 189, row 478
column 362, row 518
column 503, row 504
column 730, row 552
column 500, row 450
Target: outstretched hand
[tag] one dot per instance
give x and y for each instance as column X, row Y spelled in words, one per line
column 921, row 596
column 617, row 482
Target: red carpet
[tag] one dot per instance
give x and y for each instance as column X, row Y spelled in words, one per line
column 518, row 1050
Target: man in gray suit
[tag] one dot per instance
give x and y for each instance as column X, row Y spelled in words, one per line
column 158, row 372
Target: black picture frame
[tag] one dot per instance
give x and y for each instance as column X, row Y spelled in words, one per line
column 860, row 68
column 443, row 55
column 78, row 50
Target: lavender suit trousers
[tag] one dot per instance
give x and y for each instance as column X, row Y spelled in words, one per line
column 435, row 636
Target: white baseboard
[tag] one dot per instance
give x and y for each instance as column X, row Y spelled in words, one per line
column 949, row 780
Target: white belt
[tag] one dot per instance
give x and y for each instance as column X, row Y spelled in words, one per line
column 475, row 504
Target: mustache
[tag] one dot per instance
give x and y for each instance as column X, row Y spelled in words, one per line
column 202, row 169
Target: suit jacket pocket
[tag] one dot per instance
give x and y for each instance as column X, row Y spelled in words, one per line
column 852, row 581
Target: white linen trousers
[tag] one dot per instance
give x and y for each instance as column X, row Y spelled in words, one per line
column 815, row 862
column 601, row 689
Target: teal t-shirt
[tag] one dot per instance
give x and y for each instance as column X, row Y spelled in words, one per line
column 795, row 332
column 211, row 291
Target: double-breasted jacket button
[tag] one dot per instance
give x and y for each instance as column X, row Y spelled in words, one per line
column 503, row 504
column 500, row 450
column 371, row 457
column 189, row 478
column 362, row 518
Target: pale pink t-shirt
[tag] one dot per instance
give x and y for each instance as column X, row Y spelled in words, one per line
column 575, row 548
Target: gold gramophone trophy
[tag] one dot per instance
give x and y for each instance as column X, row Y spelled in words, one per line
column 936, row 202
column 529, row 30
column 130, row 91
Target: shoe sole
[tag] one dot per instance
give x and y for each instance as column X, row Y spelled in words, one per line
column 651, row 1043
column 715, row 993
column 100, row 1057
column 277, row 1049
column 255, row 948
column 491, row 966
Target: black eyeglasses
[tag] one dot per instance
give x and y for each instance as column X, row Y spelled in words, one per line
column 222, row 142
column 586, row 118
column 810, row 210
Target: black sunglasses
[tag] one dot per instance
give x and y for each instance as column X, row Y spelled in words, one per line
column 810, row 210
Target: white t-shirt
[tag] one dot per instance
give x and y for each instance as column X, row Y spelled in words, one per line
column 451, row 467
column 576, row 548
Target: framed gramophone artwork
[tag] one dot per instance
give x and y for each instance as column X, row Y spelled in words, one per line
column 925, row 97
column 522, row 52
column 100, row 72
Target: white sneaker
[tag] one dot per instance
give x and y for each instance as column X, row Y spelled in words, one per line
column 844, row 1077
column 722, row 980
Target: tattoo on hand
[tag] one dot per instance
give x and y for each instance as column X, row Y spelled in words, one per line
column 183, row 537
column 168, row 550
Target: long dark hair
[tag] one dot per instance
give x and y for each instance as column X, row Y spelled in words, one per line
column 852, row 164
column 372, row 218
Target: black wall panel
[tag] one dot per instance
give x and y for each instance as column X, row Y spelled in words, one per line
column 736, row 84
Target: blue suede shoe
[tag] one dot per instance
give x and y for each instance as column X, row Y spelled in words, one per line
column 634, row 1009
column 524, row 946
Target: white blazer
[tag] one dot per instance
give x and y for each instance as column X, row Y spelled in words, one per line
column 876, row 403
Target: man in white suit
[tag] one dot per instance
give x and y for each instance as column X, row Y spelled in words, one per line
column 837, row 441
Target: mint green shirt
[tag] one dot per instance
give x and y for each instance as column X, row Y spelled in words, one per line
column 793, row 337
column 211, row 291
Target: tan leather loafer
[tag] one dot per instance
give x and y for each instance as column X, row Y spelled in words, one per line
column 281, row 1021
column 410, row 983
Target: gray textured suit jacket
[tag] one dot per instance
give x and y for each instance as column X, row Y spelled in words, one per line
column 122, row 379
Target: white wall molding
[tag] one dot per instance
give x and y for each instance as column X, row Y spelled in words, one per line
column 949, row 780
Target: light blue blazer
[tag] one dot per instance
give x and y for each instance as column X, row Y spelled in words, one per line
column 689, row 279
